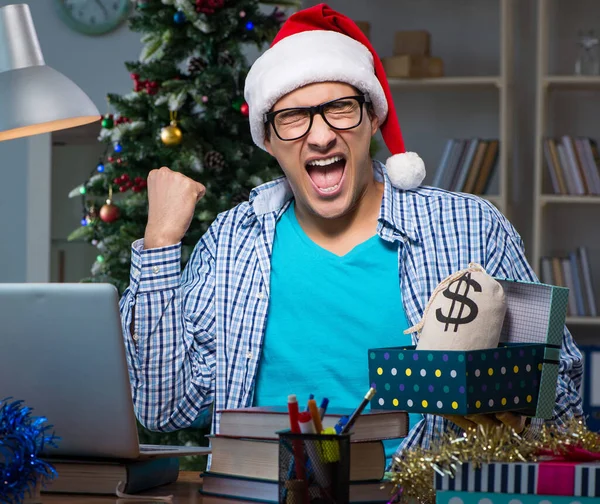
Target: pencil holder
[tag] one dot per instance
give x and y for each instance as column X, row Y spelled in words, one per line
column 314, row 468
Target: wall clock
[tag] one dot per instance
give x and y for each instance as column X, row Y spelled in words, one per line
column 93, row 17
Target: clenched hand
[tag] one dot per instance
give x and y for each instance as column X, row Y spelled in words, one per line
column 172, row 199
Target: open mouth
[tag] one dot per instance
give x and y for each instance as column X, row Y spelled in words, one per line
column 327, row 174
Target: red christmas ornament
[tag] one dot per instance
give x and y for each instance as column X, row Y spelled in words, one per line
column 110, row 159
column 109, row 212
column 152, row 87
column 122, row 188
column 245, row 109
column 209, row 6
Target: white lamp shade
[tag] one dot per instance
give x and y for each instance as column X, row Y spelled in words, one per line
column 34, row 98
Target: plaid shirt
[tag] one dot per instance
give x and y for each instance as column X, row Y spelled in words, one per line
column 198, row 334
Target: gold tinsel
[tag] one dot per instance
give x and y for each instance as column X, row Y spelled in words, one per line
column 412, row 474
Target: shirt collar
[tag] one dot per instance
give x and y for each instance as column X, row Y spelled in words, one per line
column 396, row 211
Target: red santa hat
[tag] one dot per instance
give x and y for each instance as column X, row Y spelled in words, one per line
column 319, row 44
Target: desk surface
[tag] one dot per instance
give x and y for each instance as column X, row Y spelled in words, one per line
column 184, row 490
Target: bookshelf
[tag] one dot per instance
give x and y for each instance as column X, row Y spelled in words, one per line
column 465, row 88
column 446, row 82
column 565, row 134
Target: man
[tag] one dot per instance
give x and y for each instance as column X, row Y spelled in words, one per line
column 285, row 293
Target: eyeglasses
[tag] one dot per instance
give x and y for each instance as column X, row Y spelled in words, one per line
column 340, row 114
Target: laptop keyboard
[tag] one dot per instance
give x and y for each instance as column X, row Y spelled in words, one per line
column 153, row 448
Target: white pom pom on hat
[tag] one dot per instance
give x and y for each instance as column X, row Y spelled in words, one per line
column 319, row 44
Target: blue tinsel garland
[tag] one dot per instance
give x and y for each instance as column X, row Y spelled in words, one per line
column 22, row 438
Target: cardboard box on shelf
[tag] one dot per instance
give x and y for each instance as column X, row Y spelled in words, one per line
column 409, row 66
column 412, row 42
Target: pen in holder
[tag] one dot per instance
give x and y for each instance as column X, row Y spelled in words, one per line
column 326, row 468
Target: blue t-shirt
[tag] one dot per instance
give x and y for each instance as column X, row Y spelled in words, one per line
column 325, row 312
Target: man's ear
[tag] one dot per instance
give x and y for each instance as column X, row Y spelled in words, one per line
column 267, row 141
column 374, row 123
column 268, row 146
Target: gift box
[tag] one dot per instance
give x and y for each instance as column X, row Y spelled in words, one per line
column 519, row 375
column 492, row 498
column 458, row 382
column 535, row 478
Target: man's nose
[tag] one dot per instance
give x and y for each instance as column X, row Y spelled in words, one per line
column 321, row 136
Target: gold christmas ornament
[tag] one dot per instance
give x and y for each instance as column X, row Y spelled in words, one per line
column 171, row 135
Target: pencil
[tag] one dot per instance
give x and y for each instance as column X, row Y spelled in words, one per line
column 368, row 396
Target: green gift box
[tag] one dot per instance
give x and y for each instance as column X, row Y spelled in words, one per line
column 461, row 383
column 519, row 375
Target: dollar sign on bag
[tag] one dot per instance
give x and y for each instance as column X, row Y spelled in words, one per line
column 460, row 301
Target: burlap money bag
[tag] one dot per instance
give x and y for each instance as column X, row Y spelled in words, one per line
column 465, row 312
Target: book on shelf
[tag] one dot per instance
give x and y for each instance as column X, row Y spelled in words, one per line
column 572, row 164
column 104, row 476
column 246, row 453
column 572, row 271
column 467, row 165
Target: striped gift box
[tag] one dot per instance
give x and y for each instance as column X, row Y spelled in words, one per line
column 449, row 497
column 581, row 480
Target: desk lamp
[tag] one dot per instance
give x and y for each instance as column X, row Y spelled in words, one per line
column 34, row 98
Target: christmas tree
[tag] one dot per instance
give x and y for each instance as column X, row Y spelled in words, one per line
column 186, row 111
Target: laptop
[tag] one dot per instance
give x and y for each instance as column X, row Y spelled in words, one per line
column 62, row 353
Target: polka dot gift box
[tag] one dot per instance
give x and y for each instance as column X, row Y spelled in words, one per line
column 518, row 375
column 457, row 382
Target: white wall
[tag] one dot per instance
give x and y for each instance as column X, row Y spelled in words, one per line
column 13, row 210
column 71, row 165
column 96, row 65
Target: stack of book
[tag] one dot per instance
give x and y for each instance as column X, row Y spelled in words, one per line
column 245, row 454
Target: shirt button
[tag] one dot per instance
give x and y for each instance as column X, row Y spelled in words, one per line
column 260, row 295
column 155, row 269
column 135, row 337
column 248, row 355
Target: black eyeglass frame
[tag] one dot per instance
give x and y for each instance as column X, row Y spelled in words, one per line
column 269, row 117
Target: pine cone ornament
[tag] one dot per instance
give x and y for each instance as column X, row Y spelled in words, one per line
column 214, row 161
column 240, row 197
column 196, row 65
column 225, row 58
